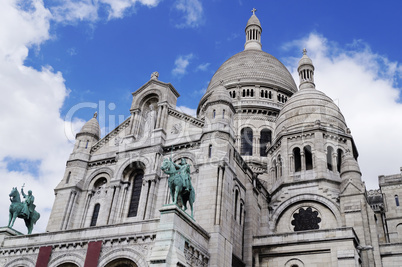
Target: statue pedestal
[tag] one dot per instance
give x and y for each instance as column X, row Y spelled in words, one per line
column 180, row 241
column 6, row 231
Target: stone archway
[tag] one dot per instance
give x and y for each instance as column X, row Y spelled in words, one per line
column 121, row 263
column 68, row 264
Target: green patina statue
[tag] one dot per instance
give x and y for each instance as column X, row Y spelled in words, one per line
column 179, row 183
column 24, row 210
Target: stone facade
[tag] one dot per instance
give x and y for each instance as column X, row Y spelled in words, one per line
column 274, row 169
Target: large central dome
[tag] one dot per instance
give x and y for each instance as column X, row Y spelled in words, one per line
column 256, row 67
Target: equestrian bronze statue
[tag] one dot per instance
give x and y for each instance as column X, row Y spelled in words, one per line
column 179, row 181
column 24, row 210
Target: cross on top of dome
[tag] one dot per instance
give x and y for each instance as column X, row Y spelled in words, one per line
column 253, row 10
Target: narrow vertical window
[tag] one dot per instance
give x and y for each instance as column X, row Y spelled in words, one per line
column 275, row 169
column 241, row 212
column 95, row 214
column 279, row 166
column 68, row 177
column 234, row 94
column 265, row 139
column 262, row 93
column 297, row 159
column 86, row 146
column 214, row 114
column 223, row 114
column 79, row 143
column 244, row 92
column 339, row 160
column 246, row 141
column 308, row 156
column 235, row 206
column 136, row 181
column 330, row 150
column 252, row 93
column 396, row 200
column 210, row 151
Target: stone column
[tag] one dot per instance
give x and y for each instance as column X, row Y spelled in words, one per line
column 122, row 200
column 70, row 206
column 303, row 161
column 291, row 164
column 150, row 200
column 114, row 206
column 89, row 197
column 158, row 117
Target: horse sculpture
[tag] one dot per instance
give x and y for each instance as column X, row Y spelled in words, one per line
column 176, row 186
column 16, row 207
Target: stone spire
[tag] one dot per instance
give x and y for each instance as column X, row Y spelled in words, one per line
column 253, row 33
column 306, row 72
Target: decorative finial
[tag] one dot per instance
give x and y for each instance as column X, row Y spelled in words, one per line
column 154, row 75
column 95, row 114
column 253, row 10
column 304, row 51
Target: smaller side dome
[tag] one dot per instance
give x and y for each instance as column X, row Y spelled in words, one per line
column 220, row 93
column 308, row 108
column 91, row 127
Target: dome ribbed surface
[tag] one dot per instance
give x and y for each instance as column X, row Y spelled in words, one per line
column 305, row 60
column 91, row 127
column 256, row 67
column 253, row 20
column 307, row 108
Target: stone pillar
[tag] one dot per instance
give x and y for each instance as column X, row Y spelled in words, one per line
column 69, row 209
column 84, row 216
column 291, row 164
column 150, row 200
column 158, row 117
column 122, row 200
column 114, row 206
column 303, row 161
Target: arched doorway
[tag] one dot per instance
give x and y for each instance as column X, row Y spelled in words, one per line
column 121, row 263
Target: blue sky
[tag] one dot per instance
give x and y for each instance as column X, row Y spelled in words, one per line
column 62, row 60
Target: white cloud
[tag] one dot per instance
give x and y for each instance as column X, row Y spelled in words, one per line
column 364, row 85
column 72, row 11
column 187, row 110
column 193, row 13
column 203, row 67
column 33, row 145
column 181, row 63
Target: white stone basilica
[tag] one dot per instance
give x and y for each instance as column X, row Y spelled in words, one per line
column 274, row 168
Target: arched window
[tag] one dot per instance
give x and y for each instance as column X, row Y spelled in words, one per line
column 330, row 150
column 279, row 166
column 95, row 214
column 297, row 159
column 275, row 169
column 308, row 156
column 265, row 139
column 246, row 141
column 230, row 93
column 234, row 94
column 210, row 151
column 396, row 200
column 136, row 181
column 266, row 94
column 241, row 212
column 68, row 177
column 270, row 95
column 252, row 93
column 86, row 146
column 213, row 114
column 223, row 114
column 339, row 160
column 244, row 92
column 248, row 92
column 262, row 93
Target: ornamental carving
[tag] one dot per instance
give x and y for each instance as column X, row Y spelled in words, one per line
column 306, row 219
